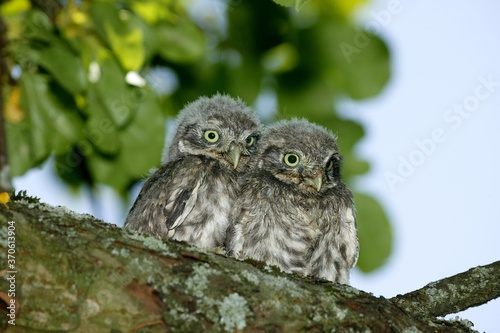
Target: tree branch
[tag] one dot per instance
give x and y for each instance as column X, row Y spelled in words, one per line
column 76, row 273
column 453, row 294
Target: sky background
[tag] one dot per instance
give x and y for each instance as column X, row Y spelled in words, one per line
column 444, row 207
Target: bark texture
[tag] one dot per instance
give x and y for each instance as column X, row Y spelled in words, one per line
column 74, row 273
column 454, row 294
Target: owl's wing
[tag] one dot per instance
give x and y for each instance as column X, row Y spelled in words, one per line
column 349, row 234
column 180, row 204
column 244, row 214
column 234, row 233
column 336, row 248
column 233, row 241
column 166, row 199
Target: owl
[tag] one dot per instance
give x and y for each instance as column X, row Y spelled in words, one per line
column 294, row 211
column 190, row 196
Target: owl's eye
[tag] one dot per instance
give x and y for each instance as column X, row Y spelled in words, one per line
column 211, row 136
column 329, row 165
column 250, row 141
column 291, row 159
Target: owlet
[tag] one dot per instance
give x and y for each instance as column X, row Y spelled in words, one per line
column 189, row 197
column 294, row 211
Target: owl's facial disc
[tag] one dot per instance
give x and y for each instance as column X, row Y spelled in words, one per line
column 311, row 178
column 310, row 173
column 229, row 148
column 231, row 155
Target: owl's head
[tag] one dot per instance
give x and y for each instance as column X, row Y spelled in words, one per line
column 301, row 154
column 218, row 127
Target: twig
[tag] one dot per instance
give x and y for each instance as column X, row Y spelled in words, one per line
column 453, row 294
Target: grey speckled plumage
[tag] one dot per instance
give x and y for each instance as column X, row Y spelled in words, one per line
column 189, row 197
column 294, row 210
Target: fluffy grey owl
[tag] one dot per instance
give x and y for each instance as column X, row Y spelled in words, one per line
column 189, row 198
column 294, row 211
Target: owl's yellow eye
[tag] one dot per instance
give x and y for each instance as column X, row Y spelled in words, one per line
column 211, row 136
column 329, row 165
column 250, row 141
column 291, row 159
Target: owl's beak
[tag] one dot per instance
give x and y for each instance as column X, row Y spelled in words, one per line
column 234, row 154
column 316, row 181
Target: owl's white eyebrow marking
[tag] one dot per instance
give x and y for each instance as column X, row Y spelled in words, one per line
column 181, row 146
column 214, row 122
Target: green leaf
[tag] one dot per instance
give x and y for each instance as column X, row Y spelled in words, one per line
column 352, row 60
column 141, row 145
column 37, row 25
column 115, row 94
column 71, row 168
column 66, row 124
column 374, row 233
column 123, row 32
column 281, row 58
column 55, row 126
column 182, row 42
column 247, row 89
column 64, row 66
column 49, row 126
column 39, row 131
column 14, row 7
column 127, row 47
column 150, row 44
column 153, row 11
column 19, row 147
column 144, row 139
column 100, row 129
column 289, row 3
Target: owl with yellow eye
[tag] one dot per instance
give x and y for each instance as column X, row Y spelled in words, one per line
column 190, row 196
column 294, row 211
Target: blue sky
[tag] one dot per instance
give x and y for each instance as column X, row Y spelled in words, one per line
column 434, row 142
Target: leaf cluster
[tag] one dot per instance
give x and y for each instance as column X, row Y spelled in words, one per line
column 97, row 81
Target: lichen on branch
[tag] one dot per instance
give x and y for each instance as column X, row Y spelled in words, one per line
column 79, row 274
column 453, row 294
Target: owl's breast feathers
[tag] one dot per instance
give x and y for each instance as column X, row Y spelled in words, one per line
column 188, row 199
column 310, row 234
